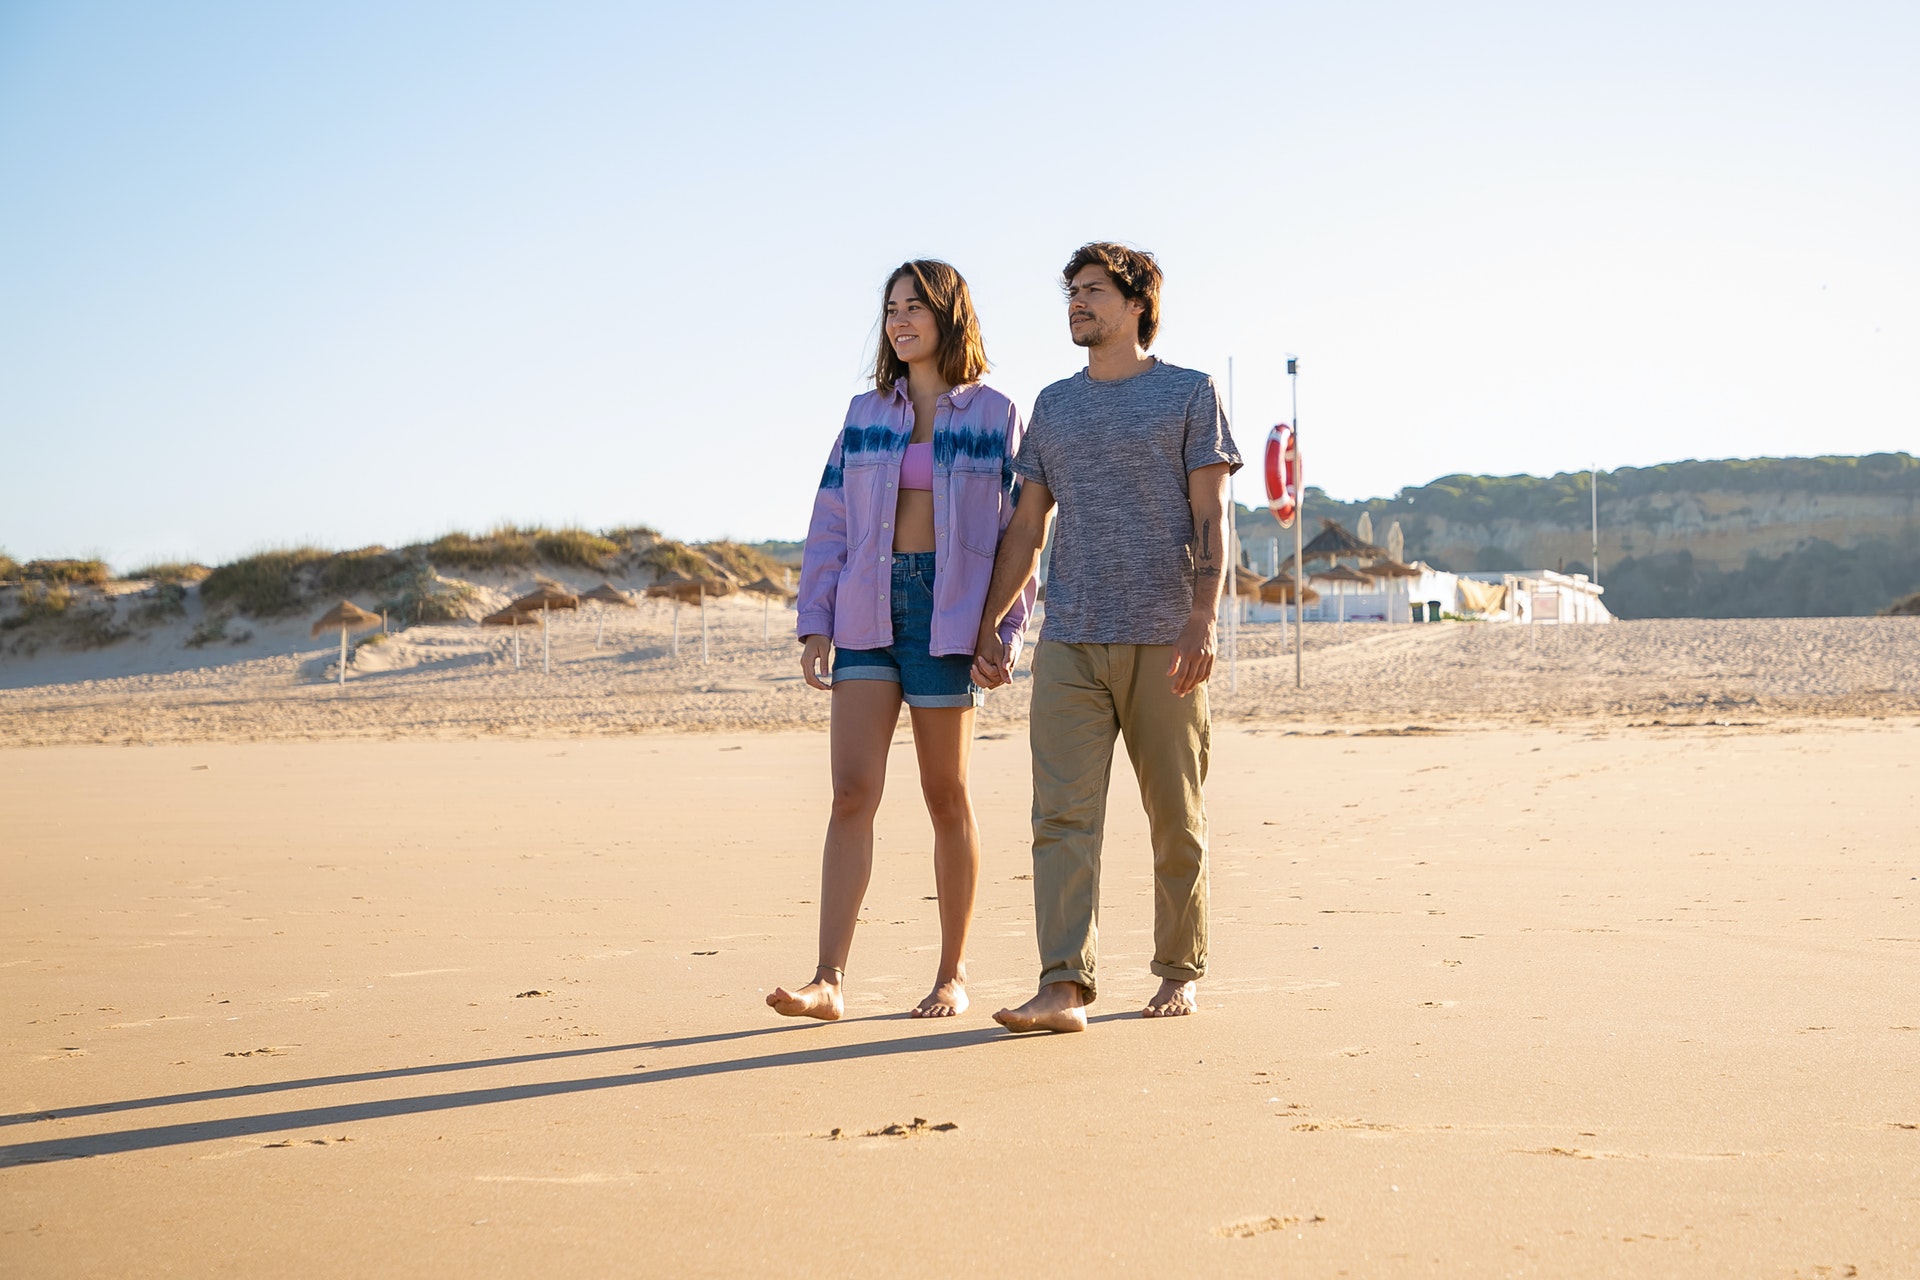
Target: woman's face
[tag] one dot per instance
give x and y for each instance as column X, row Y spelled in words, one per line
column 909, row 323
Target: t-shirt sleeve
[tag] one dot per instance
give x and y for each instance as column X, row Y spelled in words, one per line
column 1209, row 437
column 1030, row 462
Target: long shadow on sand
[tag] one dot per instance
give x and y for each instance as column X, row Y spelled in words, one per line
column 83, row 1146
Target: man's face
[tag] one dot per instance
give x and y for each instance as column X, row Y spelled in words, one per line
column 1097, row 312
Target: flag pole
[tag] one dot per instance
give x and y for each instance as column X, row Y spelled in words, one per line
column 1299, row 521
column 1233, row 561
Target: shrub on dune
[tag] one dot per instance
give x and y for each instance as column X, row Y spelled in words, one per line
column 89, row 573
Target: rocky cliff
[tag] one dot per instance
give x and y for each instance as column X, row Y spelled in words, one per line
column 1715, row 538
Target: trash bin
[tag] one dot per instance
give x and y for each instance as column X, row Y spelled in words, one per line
column 1419, row 611
column 1433, row 611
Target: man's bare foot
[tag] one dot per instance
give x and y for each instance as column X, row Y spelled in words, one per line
column 1173, row 1000
column 817, row 999
column 948, row 999
column 1059, row 1007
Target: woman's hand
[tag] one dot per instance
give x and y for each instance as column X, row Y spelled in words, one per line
column 992, row 660
column 815, row 653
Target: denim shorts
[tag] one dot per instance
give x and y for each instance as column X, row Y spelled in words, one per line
column 924, row 680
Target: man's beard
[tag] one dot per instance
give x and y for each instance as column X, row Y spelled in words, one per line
column 1093, row 335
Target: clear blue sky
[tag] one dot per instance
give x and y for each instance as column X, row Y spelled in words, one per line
column 355, row 273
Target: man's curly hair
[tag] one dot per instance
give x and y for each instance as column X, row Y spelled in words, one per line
column 1133, row 271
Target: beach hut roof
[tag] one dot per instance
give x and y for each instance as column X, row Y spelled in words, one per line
column 1389, row 568
column 345, row 614
column 511, row 617
column 607, row 593
column 1339, row 573
column 545, row 597
column 1334, row 541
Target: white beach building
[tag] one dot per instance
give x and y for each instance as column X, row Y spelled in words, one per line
column 1526, row 596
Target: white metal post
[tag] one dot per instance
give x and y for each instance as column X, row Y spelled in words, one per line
column 1299, row 522
column 1233, row 561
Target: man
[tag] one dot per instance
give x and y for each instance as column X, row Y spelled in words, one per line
column 1136, row 453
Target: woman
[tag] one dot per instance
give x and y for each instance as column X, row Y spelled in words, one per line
column 915, row 494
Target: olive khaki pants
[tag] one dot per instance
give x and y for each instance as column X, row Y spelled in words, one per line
column 1083, row 695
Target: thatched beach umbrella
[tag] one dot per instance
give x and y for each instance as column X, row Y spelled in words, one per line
column 685, row 590
column 606, row 594
column 1333, row 541
column 1281, row 589
column 1346, row 578
column 512, row 617
column 1389, row 570
column 543, row 601
column 347, row 616
column 767, row 588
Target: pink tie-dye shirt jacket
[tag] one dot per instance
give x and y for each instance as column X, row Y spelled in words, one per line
column 848, row 566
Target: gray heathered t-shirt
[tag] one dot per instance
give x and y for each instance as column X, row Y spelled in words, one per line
column 1116, row 455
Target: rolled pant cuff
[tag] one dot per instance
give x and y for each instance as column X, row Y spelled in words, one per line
column 1177, row 972
column 1080, row 976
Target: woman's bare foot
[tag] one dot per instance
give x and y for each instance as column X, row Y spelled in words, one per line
column 1173, row 1000
column 1060, row 1006
column 947, row 999
column 818, row 999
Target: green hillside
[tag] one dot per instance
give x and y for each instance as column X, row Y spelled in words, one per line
column 1761, row 537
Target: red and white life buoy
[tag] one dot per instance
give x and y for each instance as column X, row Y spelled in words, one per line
column 1283, row 474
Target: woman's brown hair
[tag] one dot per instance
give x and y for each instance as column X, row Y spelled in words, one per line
column 963, row 355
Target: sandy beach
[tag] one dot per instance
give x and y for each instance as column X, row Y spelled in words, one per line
column 459, row 681
column 1588, row 997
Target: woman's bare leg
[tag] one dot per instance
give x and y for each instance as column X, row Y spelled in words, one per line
column 864, row 715
column 943, row 739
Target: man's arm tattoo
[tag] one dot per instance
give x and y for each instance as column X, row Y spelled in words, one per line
column 1206, row 569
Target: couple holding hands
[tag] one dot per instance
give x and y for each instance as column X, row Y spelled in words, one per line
column 918, row 578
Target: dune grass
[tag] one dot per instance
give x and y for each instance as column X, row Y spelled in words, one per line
column 9, row 568
column 87, row 573
column 747, row 563
column 173, row 572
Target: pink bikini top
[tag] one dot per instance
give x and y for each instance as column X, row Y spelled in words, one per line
column 916, row 469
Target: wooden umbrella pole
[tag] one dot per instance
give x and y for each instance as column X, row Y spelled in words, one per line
column 766, row 619
column 676, row 626
column 600, row 631
column 703, row 624
column 343, row 656
column 546, row 641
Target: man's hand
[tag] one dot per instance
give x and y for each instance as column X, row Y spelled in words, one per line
column 992, row 660
column 1192, row 655
column 813, row 660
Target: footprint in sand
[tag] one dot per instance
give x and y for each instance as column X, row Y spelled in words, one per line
column 1247, row 1228
column 897, row 1130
